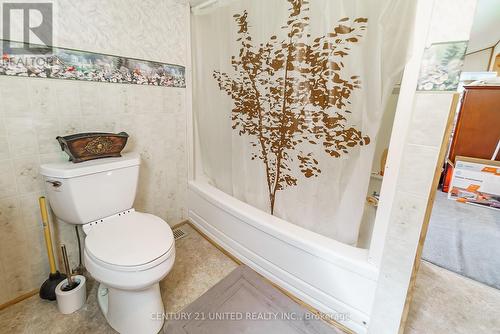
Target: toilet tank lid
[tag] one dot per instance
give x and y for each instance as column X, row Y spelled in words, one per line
column 68, row 169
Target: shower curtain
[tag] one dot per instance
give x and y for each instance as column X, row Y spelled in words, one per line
column 288, row 98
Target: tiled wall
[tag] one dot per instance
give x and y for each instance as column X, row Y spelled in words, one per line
column 34, row 111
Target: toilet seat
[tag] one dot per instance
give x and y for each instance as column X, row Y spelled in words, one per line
column 142, row 267
column 132, row 241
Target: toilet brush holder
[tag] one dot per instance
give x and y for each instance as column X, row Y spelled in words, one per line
column 69, row 301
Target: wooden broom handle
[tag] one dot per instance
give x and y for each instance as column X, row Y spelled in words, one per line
column 46, row 232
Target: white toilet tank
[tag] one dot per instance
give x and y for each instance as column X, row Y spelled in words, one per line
column 84, row 192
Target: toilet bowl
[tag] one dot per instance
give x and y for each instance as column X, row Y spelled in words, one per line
column 126, row 251
column 142, row 254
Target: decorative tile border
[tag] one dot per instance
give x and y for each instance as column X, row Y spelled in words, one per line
column 441, row 66
column 88, row 66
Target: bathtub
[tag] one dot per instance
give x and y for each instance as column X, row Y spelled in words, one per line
column 334, row 278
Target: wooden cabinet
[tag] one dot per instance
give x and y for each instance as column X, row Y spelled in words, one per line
column 477, row 131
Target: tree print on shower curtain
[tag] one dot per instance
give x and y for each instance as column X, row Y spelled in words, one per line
column 290, row 95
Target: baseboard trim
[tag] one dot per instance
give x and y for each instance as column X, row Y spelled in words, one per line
column 216, row 245
column 18, row 299
column 184, row 222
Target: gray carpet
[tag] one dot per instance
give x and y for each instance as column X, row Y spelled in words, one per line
column 238, row 303
column 465, row 239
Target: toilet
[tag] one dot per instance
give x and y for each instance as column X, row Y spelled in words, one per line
column 126, row 251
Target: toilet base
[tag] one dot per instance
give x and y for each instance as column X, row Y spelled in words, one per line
column 130, row 311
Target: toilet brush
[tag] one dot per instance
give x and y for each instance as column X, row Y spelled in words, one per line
column 71, row 282
column 47, row 290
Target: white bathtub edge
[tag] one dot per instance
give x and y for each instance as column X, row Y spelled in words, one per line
column 328, row 249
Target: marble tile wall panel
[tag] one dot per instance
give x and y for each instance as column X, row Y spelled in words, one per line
column 422, row 144
column 417, row 168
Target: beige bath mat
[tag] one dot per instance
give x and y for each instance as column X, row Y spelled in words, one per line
column 244, row 302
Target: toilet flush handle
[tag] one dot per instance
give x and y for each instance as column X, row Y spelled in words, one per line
column 55, row 184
